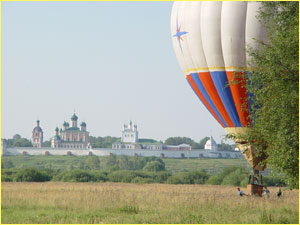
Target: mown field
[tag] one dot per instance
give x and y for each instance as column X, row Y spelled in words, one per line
column 115, row 203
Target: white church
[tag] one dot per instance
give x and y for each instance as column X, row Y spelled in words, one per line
column 130, row 140
column 130, row 133
column 211, row 144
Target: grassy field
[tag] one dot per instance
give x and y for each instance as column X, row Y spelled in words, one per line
column 148, row 203
column 212, row 166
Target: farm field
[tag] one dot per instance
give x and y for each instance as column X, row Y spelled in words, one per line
column 115, row 203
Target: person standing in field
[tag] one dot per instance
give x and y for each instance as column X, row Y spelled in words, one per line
column 279, row 192
column 240, row 192
column 266, row 192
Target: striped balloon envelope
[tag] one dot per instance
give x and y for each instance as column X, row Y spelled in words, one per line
column 210, row 41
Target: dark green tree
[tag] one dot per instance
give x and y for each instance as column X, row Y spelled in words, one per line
column 22, row 142
column 203, row 142
column 31, row 175
column 47, row 143
column 225, row 147
column 274, row 87
column 182, row 140
column 17, row 136
column 154, row 166
column 103, row 142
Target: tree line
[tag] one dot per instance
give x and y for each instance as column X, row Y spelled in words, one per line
column 232, row 176
column 128, row 170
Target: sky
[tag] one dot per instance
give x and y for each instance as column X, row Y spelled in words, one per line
column 109, row 62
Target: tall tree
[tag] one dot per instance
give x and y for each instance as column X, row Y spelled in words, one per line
column 203, row 142
column 274, row 87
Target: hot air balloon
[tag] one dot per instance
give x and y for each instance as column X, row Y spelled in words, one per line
column 210, row 41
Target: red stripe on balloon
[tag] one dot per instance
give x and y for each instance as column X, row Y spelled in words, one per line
column 238, row 89
column 194, row 86
column 209, row 86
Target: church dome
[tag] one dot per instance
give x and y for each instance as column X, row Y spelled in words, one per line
column 56, row 137
column 74, row 117
column 37, row 129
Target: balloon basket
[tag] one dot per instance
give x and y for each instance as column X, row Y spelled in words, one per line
column 255, row 189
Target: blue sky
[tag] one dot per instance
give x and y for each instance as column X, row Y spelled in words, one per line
column 111, row 62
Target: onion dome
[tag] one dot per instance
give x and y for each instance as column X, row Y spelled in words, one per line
column 74, row 117
column 37, row 128
column 56, row 137
column 83, row 124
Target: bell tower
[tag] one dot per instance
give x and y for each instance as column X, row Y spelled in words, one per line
column 37, row 136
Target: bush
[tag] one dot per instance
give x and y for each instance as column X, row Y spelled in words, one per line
column 244, row 182
column 194, row 177
column 214, row 180
column 175, row 179
column 6, row 179
column 218, row 179
column 93, row 162
column 124, row 176
column 31, row 175
column 154, row 166
column 273, row 181
column 160, row 177
column 235, row 177
column 99, row 176
column 80, row 176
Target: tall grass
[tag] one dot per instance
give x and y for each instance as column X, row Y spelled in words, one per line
column 115, row 203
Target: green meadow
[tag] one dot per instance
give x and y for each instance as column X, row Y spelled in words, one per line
column 212, row 166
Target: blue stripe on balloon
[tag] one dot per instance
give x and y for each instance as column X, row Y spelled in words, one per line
column 221, row 82
column 200, row 98
column 201, row 88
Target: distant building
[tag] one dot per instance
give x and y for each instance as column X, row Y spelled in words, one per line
column 130, row 133
column 211, row 144
column 71, row 137
column 37, row 136
column 130, row 140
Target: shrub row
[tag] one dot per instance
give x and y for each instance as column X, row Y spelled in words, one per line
column 229, row 176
